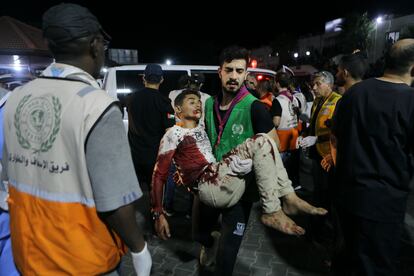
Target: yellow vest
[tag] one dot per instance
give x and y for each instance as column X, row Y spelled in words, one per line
column 325, row 113
column 55, row 228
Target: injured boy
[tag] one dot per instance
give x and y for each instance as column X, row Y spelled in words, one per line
column 221, row 184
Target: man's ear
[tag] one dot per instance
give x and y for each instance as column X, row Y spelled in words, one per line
column 94, row 50
column 177, row 109
column 412, row 71
column 346, row 73
column 219, row 72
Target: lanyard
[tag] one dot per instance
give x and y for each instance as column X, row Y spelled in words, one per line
column 286, row 94
column 222, row 121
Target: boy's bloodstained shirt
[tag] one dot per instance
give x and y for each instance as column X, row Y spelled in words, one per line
column 191, row 151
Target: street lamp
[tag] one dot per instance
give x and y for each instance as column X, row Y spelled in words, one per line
column 168, row 62
column 295, row 55
column 307, row 53
column 378, row 21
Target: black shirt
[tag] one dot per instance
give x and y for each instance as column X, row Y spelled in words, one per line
column 150, row 114
column 276, row 109
column 374, row 127
column 311, row 130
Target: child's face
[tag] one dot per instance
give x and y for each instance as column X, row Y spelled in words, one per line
column 191, row 108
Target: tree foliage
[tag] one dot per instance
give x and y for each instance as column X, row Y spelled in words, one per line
column 356, row 33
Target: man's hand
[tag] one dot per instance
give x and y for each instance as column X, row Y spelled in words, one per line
column 327, row 162
column 162, row 228
column 298, row 142
column 240, row 167
column 308, row 141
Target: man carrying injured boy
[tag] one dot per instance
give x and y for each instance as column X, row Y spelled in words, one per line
column 221, row 184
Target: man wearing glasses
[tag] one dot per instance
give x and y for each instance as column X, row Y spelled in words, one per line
column 318, row 142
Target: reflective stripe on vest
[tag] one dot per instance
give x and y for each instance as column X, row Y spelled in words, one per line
column 321, row 130
column 55, row 225
column 288, row 128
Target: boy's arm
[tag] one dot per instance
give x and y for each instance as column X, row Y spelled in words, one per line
column 159, row 178
column 166, row 152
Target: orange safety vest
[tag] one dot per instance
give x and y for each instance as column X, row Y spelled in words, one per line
column 288, row 130
column 267, row 99
column 55, row 228
column 322, row 131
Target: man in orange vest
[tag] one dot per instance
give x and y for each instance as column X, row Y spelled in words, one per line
column 318, row 141
column 70, row 175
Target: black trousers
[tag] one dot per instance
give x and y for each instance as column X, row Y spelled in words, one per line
column 144, row 173
column 322, row 227
column 233, row 224
column 369, row 247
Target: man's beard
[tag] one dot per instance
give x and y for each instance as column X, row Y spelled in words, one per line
column 340, row 81
column 232, row 91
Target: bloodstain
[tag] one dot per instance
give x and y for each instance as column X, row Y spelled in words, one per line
column 189, row 160
column 159, row 178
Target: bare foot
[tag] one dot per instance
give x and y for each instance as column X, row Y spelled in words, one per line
column 282, row 223
column 293, row 205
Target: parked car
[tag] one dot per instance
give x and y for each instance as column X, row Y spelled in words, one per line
column 120, row 81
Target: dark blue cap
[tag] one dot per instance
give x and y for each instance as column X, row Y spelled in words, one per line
column 153, row 73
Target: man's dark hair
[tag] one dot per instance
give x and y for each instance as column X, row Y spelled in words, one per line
column 399, row 58
column 233, row 52
column 183, row 81
column 356, row 64
column 264, row 85
column 284, row 79
column 180, row 98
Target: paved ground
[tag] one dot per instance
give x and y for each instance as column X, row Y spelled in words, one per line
column 263, row 251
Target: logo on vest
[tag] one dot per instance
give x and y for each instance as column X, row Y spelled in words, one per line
column 237, row 129
column 37, row 122
column 325, row 111
column 239, row 231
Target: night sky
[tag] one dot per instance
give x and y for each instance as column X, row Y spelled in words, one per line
column 194, row 32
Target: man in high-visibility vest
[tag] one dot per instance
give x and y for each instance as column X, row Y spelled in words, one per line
column 70, row 175
column 318, row 142
column 7, row 266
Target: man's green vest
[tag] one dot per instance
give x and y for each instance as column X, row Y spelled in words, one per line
column 237, row 129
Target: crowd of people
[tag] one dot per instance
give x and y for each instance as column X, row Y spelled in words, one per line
column 71, row 175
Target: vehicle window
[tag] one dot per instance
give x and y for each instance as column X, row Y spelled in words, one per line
column 212, row 84
column 128, row 82
column 171, row 81
column 131, row 81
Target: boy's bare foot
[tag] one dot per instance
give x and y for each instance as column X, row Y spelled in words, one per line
column 293, row 205
column 282, row 223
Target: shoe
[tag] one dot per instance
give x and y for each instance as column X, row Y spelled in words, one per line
column 169, row 212
column 208, row 254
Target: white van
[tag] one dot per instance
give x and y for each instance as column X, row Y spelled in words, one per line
column 122, row 80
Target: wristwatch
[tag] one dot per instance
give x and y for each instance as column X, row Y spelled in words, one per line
column 156, row 215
